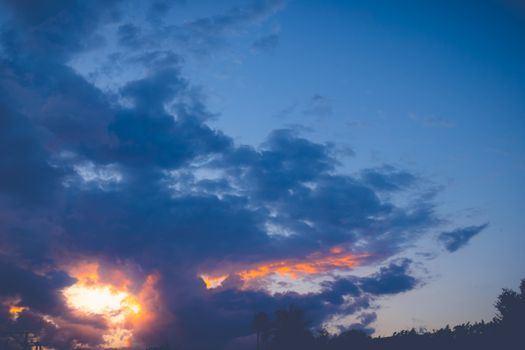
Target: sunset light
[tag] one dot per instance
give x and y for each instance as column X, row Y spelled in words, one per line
column 313, row 264
column 316, row 263
column 14, row 311
column 101, row 300
column 109, row 298
column 213, row 281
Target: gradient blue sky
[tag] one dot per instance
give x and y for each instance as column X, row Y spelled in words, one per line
column 436, row 87
column 432, row 91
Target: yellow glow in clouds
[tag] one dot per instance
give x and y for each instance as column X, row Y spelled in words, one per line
column 14, row 311
column 213, row 282
column 112, row 301
column 337, row 258
column 101, row 300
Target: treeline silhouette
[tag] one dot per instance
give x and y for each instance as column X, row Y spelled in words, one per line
column 289, row 329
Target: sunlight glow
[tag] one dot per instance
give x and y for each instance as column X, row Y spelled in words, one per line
column 213, row 281
column 101, row 300
column 112, row 299
column 337, row 258
column 313, row 264
column 15, row 311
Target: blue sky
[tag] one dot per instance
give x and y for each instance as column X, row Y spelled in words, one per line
column 182, row 139
column 436, row 88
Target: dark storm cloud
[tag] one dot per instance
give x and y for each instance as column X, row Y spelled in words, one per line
column 149, row 136
column 458, row 238
column 285, row 161
column 392, row 279
column 235, row 308
column 336, row 290
column 41, row 293
column 65, row 335
column 22, row 158
column 139, row 176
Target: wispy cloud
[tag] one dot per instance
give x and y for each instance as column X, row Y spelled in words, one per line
column 458, row 238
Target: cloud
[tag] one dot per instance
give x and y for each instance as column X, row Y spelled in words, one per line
column 59, row 26
column 458, row 238
column 37, row 292
column 157, row 59
column 129, row 35
column 205, row 33
column 388, row 178
column 201, row 35
column 233, row 19
column 137, row 180
column 18, row 168
column 160, row 8
column 340, row 288
column 392, row 279
column 344, row 296
column 365, row 319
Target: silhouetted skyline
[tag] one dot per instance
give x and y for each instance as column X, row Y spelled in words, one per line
column 289, row 329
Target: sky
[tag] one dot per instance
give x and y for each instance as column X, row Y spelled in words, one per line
column 170, row 168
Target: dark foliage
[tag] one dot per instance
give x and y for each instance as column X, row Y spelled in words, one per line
column 289, row 330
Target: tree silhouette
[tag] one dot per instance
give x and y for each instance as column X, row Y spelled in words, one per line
column 262, row 325
column 289, row 330
column 357, row 338
column 511, row 312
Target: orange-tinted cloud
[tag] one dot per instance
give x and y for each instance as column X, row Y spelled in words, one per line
column 213, row 281
column 336, row 259
column 15, row 310
column 126, row 306
column 314, row 264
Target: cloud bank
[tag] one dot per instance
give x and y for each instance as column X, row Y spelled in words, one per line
column 138, row 182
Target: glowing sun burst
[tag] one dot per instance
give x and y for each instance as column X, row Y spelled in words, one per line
column 101, row 300
column 112, row 301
